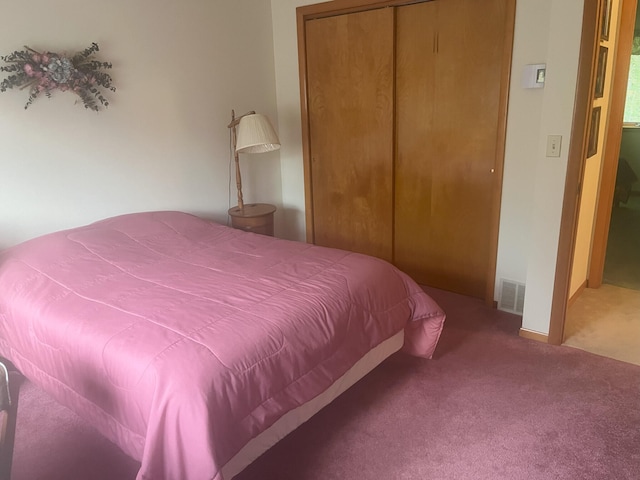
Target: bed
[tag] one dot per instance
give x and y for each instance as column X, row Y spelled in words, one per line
column 193, row 346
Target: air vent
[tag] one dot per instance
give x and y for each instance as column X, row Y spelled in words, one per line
column 511, row 296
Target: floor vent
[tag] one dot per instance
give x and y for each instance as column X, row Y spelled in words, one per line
column 511, row 296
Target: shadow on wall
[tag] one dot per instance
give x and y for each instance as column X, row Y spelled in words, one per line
column 630, row 152
column 626, row 179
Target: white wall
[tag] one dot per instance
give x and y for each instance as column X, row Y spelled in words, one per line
column 547, row 31
column 179, row 69
column 564, row 26
column 288, row 97
column 522, row 147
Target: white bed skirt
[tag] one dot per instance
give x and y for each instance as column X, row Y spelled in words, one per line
column 296, row 417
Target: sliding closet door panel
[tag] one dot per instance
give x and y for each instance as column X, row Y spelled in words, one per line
column 452, row 247
column 350, row 103
column 471, row 46
column 416, row 138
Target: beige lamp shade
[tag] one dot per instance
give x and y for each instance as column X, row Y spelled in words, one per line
column 256, row 135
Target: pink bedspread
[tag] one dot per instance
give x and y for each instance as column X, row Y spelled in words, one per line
column 181, row 339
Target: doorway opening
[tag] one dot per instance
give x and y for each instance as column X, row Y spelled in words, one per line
column 604, row 317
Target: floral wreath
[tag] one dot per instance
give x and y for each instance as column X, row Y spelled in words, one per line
column 45, row 72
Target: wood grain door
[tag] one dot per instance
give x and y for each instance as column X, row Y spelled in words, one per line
column 350, row 81
column 448, row 113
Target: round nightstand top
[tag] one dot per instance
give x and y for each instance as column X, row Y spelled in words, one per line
column 252, row 210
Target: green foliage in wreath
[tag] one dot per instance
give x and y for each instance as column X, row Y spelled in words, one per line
column 46, row 72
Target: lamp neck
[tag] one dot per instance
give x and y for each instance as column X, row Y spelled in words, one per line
column 233, row 125
column 236, row 120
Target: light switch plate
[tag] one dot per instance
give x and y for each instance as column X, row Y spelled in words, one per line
column 554, row 143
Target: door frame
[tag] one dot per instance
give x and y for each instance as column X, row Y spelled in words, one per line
column 577, row 155
column 339, row 7
column 613, row 141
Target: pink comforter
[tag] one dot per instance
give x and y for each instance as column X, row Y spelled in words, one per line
column 181, row 339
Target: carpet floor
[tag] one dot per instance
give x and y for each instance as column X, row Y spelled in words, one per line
column 490, row 405
column 606, row 321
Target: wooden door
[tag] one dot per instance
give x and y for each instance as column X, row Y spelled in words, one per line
column 349, row 61
column 449, row 80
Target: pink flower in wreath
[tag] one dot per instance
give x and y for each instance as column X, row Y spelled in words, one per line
column 28, row 69
column 36, row 57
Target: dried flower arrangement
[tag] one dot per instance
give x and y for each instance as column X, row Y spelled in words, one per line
column 45, row 72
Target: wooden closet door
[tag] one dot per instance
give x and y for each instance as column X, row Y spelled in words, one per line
column 350, row 109
column 449, row 74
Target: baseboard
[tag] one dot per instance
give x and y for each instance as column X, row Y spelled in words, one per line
column 577, row 293
column 539, row 337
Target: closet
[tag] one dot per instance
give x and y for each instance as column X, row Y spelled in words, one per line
column 404, row 112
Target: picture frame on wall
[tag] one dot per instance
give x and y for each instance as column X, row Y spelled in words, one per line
column 594, row 132
column 601, row 71
column 606, row 20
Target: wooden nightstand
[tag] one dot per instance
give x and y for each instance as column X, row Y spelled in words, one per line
column 256, row 217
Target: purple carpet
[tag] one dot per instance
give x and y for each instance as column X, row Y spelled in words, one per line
column 490, row 405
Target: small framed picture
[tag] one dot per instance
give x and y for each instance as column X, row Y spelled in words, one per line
column 606, row 19
column 594, row 132
column 601, row 72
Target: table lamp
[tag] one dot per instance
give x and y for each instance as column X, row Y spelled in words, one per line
column 250, row 133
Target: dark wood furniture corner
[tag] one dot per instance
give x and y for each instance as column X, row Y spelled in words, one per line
column 255, row 217
column 10, row 380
